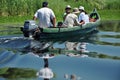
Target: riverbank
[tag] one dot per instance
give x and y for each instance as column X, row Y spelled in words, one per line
column 109, row 14
column 17, row 11
column 104, row 14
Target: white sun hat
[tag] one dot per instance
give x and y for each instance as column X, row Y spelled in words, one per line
column 81, row 8
column 68, row 7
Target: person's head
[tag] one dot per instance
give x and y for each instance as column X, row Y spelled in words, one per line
column 81, row 8
column 68, row 9
column 45, row 4
column 73, row 77
column 76, row 11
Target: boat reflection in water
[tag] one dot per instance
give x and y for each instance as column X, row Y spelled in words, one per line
column 46, row 73
column 77, row 46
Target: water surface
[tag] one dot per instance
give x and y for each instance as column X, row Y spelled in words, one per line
column 94, row 58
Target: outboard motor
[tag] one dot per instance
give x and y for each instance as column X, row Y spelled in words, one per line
column 29, row 28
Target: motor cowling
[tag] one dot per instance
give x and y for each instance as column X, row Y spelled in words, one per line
column 29, row 28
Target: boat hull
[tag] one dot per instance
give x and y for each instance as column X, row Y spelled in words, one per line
column 61, row 33
column 80, row 32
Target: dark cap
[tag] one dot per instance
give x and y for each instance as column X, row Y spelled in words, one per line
column 44, row 4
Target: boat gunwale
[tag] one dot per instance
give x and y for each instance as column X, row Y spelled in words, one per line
column 61, row 29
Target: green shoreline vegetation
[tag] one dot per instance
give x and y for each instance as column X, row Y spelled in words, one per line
column 17, row 11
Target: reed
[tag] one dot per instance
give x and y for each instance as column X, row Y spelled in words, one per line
column 109, row 14
column 21, row 8
column 28, row 7
column 112, row 4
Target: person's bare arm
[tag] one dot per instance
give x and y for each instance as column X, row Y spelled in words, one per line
column 82, row 22
column 34, row 18
column 54, row 22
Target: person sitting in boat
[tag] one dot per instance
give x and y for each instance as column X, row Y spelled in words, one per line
column 46, row 16
column 72, row 19
column 67, row 11
column 93, row 17
column 83, row 16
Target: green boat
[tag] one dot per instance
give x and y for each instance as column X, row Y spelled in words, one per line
column 60, row 32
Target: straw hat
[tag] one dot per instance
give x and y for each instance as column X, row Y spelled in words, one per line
column 76, row 10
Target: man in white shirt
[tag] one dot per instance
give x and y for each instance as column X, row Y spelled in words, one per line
column 46, row 16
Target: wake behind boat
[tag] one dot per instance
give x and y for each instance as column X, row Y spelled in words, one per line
column 29, row 29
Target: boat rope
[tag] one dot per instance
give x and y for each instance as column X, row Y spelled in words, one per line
column 58, row 29
column 80, row 26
